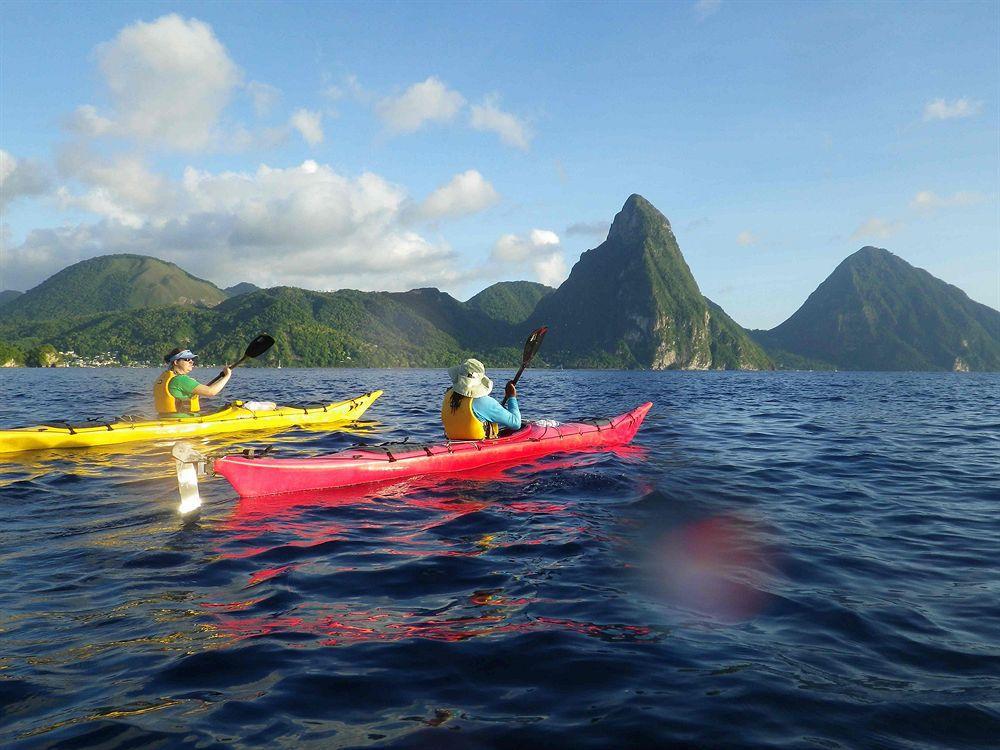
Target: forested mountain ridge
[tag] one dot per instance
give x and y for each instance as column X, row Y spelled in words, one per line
column 346, row 328
column 878, row 312
column 631, row 302
column 9, row 295
column 112, row 283
column 511, row 301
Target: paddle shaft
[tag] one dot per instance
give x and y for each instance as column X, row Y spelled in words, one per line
column 256, row 347
column 221, row 375
column 531, row 347
column 514, row 381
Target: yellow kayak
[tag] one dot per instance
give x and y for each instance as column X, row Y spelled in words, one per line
column 234, row 417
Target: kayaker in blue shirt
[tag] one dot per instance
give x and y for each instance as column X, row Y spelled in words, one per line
column 468, row 412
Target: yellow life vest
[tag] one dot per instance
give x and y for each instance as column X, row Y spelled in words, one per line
column 166, row 404
column 462, row 423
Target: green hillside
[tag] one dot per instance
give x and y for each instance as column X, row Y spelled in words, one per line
column 244, row 287
column 510, row 301
column 314, row 329
column 9, row 295
column 877, row 312
column 110, row 283
column 468, row 326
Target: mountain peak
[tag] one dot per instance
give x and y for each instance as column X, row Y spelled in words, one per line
column 878, row 312
column 871, row 253
column 109, row 283
column 244, row 287
column 633, row 300
column 638, row 217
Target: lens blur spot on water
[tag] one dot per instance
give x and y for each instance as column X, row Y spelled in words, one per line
column 709, row 566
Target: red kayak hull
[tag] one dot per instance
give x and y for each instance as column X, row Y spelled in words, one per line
column 255, row 477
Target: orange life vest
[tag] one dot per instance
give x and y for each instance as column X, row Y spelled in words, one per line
column 167, row 405
column 462, row 423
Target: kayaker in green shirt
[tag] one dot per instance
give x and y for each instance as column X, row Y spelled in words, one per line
column 176, row 393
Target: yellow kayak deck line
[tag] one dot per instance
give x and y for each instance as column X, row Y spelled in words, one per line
column 234, row 417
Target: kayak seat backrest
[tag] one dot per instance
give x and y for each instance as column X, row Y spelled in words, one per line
column 506, row 432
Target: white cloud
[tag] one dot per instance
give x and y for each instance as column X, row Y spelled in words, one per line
column 264, row 96
column 466, row 193
column 309, row 125
column 86, row 121
column 488, row 116
column 350, row 86
column 939, row 109
column 540, row 250
column 705, row 8
column 926, row 201
column 20, row 178
column 876, row 227
column 543, row 237
column 552, row 270
column 511, row 249
column 304, row 226
column 169, row 80
column 746, row 238
column 427, row 101
column 120, row 188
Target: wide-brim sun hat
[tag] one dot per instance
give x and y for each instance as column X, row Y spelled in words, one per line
column 469, row 379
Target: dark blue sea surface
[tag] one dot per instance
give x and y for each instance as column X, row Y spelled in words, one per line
column 795, row 560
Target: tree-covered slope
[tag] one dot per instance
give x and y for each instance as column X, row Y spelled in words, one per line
column 344, row 328
column 244, row 287
column 877, row 312
column 113, row 282
column 472, row 328
column 510, row 301
column 9, row 295
column 732, row 348
column 633, row 302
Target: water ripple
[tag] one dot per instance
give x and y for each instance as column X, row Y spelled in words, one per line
column 781, row 560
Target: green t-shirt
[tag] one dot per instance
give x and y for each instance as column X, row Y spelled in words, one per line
column 182, row 386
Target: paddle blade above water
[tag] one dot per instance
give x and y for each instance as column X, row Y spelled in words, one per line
column 258, row 346
column 254, row 349
column 533, row 344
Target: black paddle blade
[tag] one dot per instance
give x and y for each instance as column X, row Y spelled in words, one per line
column 254, row 349
column 258, row 346
column 533, row 344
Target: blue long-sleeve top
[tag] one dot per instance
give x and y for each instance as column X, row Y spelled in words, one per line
column 488, row 409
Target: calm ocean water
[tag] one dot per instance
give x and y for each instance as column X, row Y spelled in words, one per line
column 807, row 560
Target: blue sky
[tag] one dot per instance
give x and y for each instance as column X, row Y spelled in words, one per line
column 390, row 146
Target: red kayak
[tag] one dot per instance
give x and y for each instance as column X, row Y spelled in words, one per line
column 254, row 477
